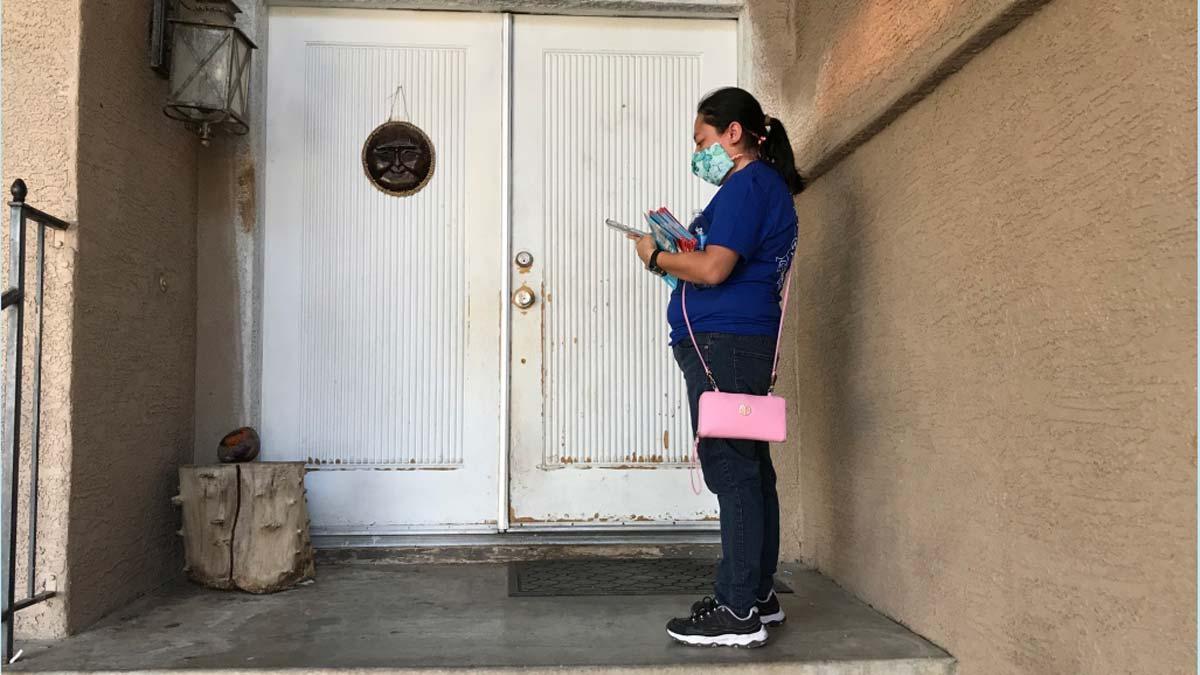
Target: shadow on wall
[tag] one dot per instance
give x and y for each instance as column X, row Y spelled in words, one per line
column 865, row 427
column 831, row 286
column 227, row 188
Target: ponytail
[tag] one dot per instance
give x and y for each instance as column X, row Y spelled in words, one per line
column 731, row 104
column 776, row 150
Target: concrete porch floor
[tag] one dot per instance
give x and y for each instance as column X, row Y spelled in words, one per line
column 459, row 616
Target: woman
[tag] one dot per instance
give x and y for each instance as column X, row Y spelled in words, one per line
column 734, row 287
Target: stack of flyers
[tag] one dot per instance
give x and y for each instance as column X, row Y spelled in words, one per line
column 670, row 236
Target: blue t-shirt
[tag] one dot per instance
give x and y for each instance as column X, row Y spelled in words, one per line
column 752, row 214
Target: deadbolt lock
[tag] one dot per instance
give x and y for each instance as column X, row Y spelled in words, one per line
column 524, row 259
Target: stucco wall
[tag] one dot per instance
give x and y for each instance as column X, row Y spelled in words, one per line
column 84, row 128
column 993, row 346
column 40, row 97
column 133, row 351
column 856, row 59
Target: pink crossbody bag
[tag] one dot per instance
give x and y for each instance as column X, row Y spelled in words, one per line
column 739, row 416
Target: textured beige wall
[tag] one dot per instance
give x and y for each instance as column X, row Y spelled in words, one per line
column 844, row 62
column 837, row 70
column 993, row 350
column 134, row 338
column 84, row 128
column 40, row 97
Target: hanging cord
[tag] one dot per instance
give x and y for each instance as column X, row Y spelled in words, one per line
column 399, row 93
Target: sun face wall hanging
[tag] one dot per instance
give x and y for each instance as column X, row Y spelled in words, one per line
column 398, row 157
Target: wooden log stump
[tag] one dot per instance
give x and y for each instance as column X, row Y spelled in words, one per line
column 246, row 525
column 209, row 496
column 271, row 547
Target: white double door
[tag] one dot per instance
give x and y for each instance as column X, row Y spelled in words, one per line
column 397, row 362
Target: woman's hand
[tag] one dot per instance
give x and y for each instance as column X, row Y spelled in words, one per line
column 645, row 246
column 711, row 266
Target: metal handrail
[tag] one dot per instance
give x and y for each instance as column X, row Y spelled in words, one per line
column 13, row 298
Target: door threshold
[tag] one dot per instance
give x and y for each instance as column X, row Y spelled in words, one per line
column 514, row 546
column 557, row 537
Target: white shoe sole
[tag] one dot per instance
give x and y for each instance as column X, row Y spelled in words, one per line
column 755, row 639
column 774, row 619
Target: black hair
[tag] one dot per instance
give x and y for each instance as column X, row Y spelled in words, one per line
column 732, row 104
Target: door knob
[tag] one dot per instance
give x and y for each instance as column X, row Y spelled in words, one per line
column 524, row 297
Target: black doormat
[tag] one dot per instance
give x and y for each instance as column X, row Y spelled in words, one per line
column 606, row 576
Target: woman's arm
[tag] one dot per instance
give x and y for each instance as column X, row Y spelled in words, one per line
column 710, row 266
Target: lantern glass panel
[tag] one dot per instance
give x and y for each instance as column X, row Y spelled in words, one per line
column 239, row 89
column 200, row 68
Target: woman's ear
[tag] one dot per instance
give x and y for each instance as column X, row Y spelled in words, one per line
column 733, row 134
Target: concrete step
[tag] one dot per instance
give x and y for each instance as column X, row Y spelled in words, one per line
column 447, row 618
column 891, row 667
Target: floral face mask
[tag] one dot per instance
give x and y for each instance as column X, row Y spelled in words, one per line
column 712, row 164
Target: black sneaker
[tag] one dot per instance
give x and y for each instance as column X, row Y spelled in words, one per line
column 769, row 611
column 711, row 625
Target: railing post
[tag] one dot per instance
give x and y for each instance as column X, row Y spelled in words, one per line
column 35, row 427
column 10, row 444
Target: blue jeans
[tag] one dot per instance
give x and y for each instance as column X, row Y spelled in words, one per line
column 738, row 472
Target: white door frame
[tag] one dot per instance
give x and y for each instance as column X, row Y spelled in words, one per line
column 669, row 9
column 504, row 500
column 675, row 9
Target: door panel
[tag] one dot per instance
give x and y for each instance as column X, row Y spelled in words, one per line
column 382, row 313
column 602, row 120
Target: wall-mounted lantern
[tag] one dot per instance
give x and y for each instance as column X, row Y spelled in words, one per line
column 197, row 45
